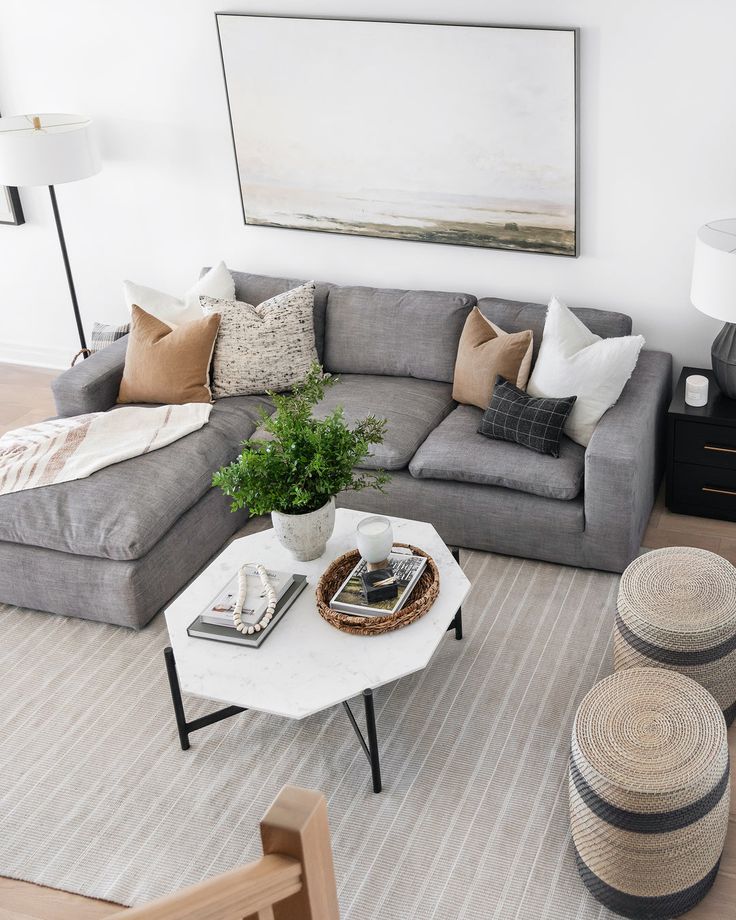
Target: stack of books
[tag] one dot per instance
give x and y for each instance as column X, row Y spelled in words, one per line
column 350, row 596
column 216, row 620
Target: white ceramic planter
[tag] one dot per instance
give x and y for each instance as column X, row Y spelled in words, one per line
column 305, row 535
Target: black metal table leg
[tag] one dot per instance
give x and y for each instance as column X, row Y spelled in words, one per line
column 457, row 620
column 181, row 721
column 186, row 728
column 370, row 721
column 370, row 747
column 457, row 624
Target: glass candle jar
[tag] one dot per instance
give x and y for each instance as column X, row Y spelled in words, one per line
column 375, row 537
column 696, row 390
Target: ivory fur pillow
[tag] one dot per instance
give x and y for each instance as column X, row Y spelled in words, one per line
column 486, row 351
column 268, row 347
column 175, row 311
column 573, row 360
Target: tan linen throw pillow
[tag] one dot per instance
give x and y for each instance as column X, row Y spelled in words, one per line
column 165, row 365
column 485, row 350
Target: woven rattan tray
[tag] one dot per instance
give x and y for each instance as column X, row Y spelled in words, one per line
column 420, row 600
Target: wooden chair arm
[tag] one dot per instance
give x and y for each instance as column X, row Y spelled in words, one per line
column 232, row 896
column 293, row 880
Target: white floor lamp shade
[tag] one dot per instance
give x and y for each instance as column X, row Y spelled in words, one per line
column 49, row 149
column 713, row 292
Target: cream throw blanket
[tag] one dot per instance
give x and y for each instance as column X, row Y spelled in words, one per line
column 73, row 448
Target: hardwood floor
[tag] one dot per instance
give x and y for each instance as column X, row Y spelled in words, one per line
column 668, row 529
column 24, row 901
column 25, row 397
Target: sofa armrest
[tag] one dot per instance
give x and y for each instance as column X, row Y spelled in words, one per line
column 91, row 385
column 624, row 461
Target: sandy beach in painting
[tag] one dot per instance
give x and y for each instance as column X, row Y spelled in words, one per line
column 461, row 219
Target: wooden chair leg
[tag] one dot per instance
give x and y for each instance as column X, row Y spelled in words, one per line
column 296, row 825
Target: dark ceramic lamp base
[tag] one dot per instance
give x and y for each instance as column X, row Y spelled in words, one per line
column 723, row 356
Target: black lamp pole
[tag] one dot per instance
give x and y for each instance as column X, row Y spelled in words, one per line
column 70, row 280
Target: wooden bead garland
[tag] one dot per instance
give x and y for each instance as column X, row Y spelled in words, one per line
column 242, row 590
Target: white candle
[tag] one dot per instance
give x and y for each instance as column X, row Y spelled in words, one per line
column 373, row 526
column 696, row 390
column 374, row 538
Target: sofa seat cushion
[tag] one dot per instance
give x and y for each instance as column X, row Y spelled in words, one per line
column 412, row 408
column 123, row 510
column 455, row 450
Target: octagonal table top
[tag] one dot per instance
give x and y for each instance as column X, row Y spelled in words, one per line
column 306, row 665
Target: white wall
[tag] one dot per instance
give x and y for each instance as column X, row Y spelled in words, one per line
column 658, row 158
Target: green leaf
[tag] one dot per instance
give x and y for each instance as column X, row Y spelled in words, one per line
column 305, row 461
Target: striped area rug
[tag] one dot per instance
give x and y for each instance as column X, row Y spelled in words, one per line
column 97, row 797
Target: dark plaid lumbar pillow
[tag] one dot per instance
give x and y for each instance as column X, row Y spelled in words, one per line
column 532, row 421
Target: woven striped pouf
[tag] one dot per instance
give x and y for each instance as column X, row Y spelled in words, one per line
column 649, row 792
column 677, row 610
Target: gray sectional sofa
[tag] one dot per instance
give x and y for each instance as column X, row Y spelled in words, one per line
column 118, row 545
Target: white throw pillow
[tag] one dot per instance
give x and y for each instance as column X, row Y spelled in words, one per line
column 268, row 347
column 573, row 361
column 174, row 311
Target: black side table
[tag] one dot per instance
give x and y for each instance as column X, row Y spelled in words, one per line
column 701, row 453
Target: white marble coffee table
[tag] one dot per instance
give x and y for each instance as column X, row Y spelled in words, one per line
column 306, row 665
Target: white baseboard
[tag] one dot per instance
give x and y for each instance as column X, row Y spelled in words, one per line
column 35, row 355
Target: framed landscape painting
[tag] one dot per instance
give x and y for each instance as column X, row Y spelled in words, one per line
column 442, row 133
column 11, row 211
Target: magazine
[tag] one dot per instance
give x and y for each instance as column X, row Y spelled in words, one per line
column 219, row 612
column 201, row 630
column 406, row 568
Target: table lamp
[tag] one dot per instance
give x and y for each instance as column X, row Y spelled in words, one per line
column 713, row 292
column 49, row 150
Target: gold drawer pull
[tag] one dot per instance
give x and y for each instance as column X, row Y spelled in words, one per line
column 720, row 450
column 719, row 491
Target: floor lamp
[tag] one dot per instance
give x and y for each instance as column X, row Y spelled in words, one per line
column 49, row 150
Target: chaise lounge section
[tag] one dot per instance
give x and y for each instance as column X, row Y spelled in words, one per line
column 118, row 545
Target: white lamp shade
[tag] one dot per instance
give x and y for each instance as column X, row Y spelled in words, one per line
column 62, row 149
column 713, row 290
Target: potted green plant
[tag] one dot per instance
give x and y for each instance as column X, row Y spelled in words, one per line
column 297, row 469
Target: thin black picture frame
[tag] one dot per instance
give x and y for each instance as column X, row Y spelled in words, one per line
column 16, row 208
column 573, row 30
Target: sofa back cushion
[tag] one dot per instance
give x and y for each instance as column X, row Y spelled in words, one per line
column 254, row 289
column 394, row 333
column 516, row 315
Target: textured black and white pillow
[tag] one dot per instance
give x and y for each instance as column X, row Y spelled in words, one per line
column 268, row 347
column 532, row 421
column 103, row 334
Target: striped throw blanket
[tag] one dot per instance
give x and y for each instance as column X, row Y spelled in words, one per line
column 73, row 448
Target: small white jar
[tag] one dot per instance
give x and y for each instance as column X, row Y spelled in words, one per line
column 375, row 538
column 696, row 390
